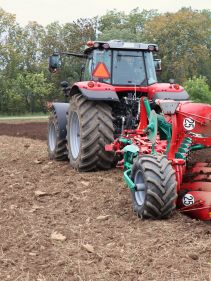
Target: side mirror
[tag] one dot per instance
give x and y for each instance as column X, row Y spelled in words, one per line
column 157, row 63
column 82, row 71
column 64, row 84
column 54, row 62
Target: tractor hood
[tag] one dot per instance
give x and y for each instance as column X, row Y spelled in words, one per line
column 167, row 91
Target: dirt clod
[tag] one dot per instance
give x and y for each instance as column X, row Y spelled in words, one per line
column 89, row 248
column 194, row 256
column 57, row 236
column 103, row 218
column 39, row 193
column 37, row 161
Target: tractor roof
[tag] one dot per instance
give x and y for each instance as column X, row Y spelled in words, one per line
column 121, row 45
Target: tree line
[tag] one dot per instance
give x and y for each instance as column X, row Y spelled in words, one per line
column 183, row 37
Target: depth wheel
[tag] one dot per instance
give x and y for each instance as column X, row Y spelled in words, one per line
column 155, row 187
column 89, row 128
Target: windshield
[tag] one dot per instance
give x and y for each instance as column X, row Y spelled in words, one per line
column 128, row 68
column 94, row 59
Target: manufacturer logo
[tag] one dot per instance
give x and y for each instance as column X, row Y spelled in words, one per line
column 188, row 200
column 189, row 124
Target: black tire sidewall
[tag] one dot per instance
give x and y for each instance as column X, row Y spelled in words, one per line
column 74, row 162
column 53, row 121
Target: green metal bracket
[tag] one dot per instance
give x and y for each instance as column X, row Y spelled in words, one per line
column 185, row 146
column 130, row 152
column 147, row 106
column 128, row 180
column 183, row 150
column 187, row 140
column 197, row 147
column 165, row 129
column 180, row 155
column 152, row 129
column 125, row 141
column 131, row 148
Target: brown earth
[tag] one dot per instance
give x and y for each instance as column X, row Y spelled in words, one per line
column 34, row 130
column 58, row 224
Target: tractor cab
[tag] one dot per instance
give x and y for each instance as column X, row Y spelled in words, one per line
column 121, row 63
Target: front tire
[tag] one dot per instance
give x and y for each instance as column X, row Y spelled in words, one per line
column 155, row 187
column 89, row 128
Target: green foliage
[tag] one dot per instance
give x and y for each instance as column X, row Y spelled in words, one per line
column 34, row 89
column 114, row 33
column 112, row 19
column 198, row 89
column 184, row 39
column 27, row 93
column 118, row 25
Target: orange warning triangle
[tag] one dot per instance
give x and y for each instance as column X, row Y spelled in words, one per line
column 101, row 71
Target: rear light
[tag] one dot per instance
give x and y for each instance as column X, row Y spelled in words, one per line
column 91, row 84
column 106, row 46
column 176, row 86
column 90, row 44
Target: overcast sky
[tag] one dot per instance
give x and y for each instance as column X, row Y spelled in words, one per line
column 47, row 11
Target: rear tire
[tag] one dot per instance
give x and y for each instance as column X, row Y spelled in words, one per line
column 89, row 128
column 57, row 147
column 155, row 194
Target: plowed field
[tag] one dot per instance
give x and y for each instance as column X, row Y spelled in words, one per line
column 58, row 224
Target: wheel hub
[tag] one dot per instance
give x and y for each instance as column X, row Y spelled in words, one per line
column 140, row 193
column 52, row 137
column 74, row 136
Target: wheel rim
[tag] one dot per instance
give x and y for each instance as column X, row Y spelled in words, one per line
column 52, row 137
column 140, row 193
column 74, row 136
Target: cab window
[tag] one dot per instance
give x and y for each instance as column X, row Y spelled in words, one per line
column 92, row 61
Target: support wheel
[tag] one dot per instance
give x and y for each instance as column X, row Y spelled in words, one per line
column 89, row 128
column 57, row 146
column 155, row 192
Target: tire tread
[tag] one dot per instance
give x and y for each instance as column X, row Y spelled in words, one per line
column 160, row 180
column 96, row 123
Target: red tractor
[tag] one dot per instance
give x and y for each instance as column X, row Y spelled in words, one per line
column 119, row 115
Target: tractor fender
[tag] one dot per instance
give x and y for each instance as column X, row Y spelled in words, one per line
column 61, row 110
column 98, row 91
column 167, row 91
